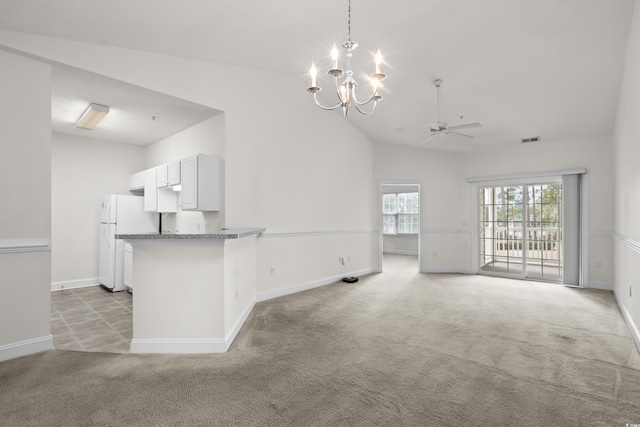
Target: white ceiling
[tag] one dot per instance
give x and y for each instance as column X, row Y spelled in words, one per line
column 136, row 115
column 548, row 68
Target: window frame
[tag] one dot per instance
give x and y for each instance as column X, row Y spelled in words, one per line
column 400, row 208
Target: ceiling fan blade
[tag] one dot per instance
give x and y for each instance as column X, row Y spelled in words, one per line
column 461, row 134
column 465, row 126
column 427, row 139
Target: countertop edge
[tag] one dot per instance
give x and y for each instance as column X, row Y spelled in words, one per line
column 236, row 233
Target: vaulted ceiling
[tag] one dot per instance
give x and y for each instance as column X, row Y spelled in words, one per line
column 547, row 68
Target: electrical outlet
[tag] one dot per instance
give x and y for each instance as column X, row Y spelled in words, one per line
column 598, row 264
column 273, row 271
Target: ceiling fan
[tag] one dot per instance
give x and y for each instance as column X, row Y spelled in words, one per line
column 440, row 128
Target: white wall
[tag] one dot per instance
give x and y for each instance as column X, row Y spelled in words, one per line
column 82, row 171
column 445, row 232
column 25, row 210
column 207, row 137
column 446, row 199
column 289, row 166
column 595, row 154
column 627, row 185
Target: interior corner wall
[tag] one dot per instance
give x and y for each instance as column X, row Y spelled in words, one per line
column 25, row 216
column 207, row 137
column 593, row 153
column 288, row 164
column 444, row 229
column 627, row 185
column 83, row 170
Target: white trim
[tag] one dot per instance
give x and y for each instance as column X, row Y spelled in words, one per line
column 634, row 245
column 605, row 286
column 233, row 333
column 24, row 348
column 74, row 284
column 295, row 233
column 447, row 270
column 399, row 252
column 24, row 245
column 436, row 230
column 527, row 175
column 633, row 328
column 178, row 346
column 263, row 296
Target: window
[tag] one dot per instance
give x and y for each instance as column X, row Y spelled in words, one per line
column 400, row 213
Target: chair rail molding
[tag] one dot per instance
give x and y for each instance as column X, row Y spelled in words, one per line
column 25, row 245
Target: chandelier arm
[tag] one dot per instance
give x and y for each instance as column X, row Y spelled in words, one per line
column 315, row 98
column 357, row 105
column 373, row 97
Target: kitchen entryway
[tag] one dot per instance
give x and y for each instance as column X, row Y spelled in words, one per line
column 92, row 319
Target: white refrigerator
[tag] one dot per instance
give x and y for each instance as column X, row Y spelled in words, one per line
column 120, row 214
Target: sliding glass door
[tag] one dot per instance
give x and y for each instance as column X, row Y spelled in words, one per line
column 521, row 231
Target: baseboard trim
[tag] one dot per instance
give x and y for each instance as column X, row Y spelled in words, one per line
column 633, row 328
column 73, row 284
column 178, row 346
column 264, row 296
column 599, row 285
column 25, row 348
column 445, row 270
column 231, row 336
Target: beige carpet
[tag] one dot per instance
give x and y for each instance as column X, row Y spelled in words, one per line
column 395, row 349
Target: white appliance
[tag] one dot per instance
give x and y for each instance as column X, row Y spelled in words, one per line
column 120, row 215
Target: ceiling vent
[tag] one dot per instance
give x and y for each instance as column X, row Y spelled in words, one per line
column 532, row 139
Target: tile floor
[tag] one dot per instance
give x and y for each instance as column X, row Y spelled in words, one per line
column 95, row 319
column 91, row 319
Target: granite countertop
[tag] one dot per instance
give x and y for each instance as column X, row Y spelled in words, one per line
column 225, row 233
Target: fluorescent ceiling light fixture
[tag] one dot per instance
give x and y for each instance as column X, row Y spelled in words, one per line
column 92, row 116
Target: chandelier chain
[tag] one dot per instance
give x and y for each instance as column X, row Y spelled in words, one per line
column 349, row 24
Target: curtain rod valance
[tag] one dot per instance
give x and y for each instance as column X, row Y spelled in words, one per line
column 557, row 173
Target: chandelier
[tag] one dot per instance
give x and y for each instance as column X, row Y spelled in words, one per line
column 346, row 90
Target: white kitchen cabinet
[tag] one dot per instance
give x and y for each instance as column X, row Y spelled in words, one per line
column 173, row 171
column 162, row 177
column 158, row 199
column 200, row 181
column 150, row 190
column 136, row 181
column 128, row 265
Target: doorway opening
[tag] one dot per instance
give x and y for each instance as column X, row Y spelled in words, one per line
column 400, row 226
column 521, row 231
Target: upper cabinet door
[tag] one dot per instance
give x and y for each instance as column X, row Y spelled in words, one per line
column 162, row 178
column 174, row 173
column 150, row 190
column 201, row 183
column 189, row 182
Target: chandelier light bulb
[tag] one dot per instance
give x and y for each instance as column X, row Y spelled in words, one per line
column 314, row 74
column 334, row 57
column 378, row 58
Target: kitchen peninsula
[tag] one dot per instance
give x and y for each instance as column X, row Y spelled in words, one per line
column 193, row 292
